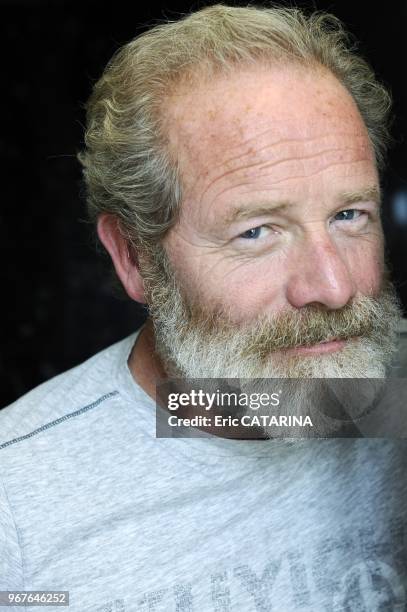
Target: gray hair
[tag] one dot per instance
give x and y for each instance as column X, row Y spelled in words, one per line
column 128, row 168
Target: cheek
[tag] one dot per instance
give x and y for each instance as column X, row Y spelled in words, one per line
column 245, row 289
column 366, row 264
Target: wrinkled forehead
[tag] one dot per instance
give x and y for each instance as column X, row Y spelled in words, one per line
column 218, row 121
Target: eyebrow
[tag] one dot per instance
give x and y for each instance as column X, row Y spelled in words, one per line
column 240, row 213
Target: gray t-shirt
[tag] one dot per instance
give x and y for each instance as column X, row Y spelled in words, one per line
column 92, row 503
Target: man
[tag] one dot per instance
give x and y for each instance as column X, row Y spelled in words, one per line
column 232, row 163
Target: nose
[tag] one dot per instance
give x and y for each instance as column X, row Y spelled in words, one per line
column 320, row 274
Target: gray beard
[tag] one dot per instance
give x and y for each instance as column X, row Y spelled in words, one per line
column 194, row 341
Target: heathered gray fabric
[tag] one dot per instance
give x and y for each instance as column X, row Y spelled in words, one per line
column 91, row 502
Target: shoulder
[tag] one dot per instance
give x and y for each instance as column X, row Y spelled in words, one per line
column 79, row 388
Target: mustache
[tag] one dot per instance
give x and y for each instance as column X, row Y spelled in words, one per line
column 365, row 316
column 372, row 317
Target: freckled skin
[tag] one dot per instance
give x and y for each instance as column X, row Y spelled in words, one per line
column 266, row 136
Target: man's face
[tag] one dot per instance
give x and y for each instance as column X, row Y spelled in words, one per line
column 279, row 233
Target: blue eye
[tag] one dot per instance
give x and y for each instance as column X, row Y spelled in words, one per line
column 253, row 232
column 347, row 215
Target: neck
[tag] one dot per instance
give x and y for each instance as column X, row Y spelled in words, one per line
column 144, row 363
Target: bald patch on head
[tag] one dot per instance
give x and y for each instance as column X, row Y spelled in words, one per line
column 219, row 123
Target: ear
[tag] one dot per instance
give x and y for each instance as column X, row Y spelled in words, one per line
column 108, row 229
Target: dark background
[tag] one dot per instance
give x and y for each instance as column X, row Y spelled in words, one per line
column 57, row 304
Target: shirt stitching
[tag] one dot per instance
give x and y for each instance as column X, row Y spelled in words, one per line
column 70, row 415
